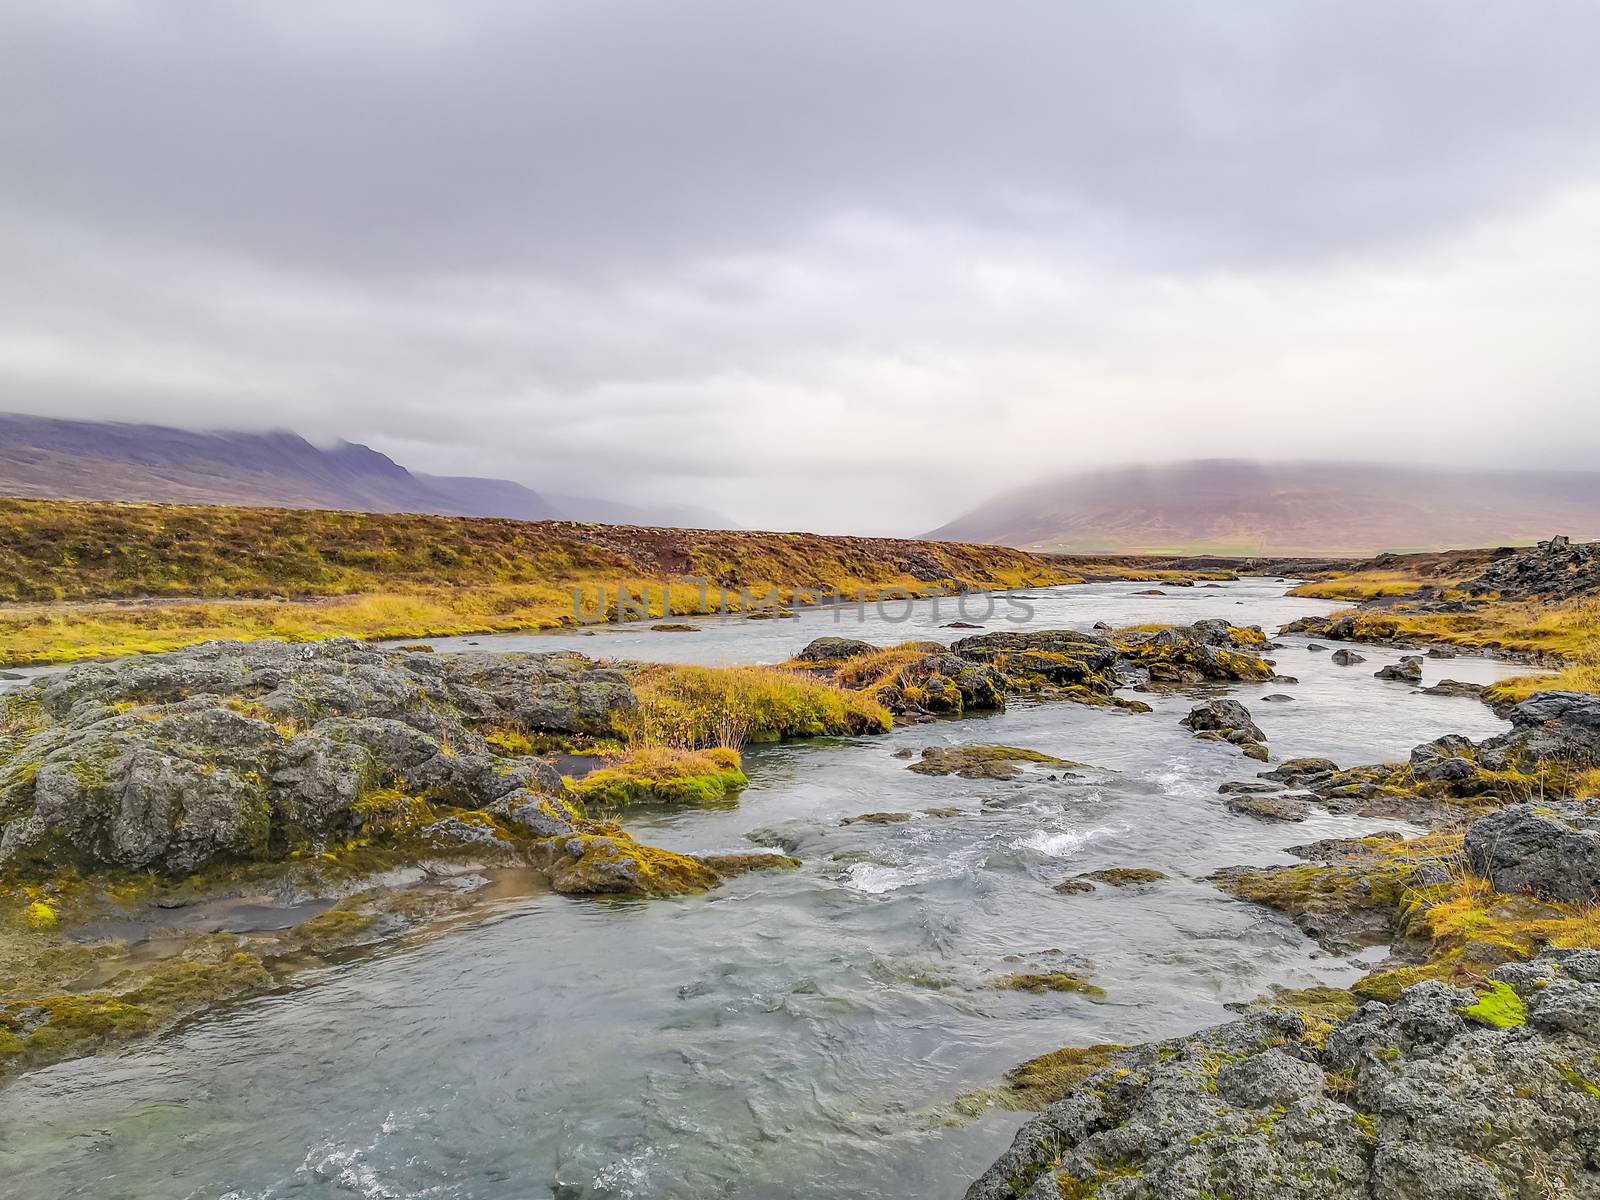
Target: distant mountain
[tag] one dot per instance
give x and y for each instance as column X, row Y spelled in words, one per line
column 103, row 460
column 1228, row 506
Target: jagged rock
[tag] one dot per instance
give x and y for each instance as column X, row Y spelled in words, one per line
column 834, row 649
column 1120, row 877
column 1557, row 569
column 1348, row 658
column 1407, row 670
column 1224, row 716
column 949, row 683
column 1549, row 849
column 1229, row 721
column 1236, row 787
column 1444, row 760
column 1399, row 1101
column 982, row 762
column 1301, row 772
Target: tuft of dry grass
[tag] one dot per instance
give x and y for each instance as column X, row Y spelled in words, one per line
column 688, row 706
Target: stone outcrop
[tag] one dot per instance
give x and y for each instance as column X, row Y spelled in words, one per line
column 1558, row 569
column 266, row 752
column 1445, row 1092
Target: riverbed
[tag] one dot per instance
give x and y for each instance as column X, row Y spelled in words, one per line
column 793, row 1034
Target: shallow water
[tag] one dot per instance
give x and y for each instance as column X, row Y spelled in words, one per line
column 796, row 1034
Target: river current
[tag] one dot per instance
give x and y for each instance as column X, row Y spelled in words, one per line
column 792, row 1034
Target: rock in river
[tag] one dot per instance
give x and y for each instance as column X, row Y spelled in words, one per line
column 1441, row 1095
column 1407, row 670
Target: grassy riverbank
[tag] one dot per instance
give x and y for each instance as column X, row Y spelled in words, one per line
column 80, row 580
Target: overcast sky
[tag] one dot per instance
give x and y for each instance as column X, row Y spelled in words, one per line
column 847, row 266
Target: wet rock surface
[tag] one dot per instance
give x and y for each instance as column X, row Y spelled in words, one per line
column 244, row 751
column 1410, row 1099
column 1227, row 721
column 1407, row 670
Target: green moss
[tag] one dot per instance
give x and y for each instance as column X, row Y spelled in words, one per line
column 1321, row 1003
column 611, row 862
column 1048, row 981
column 660, row 775
column 1042, row 1081
column 1387, row 985
column 1498, row 1006
column 509, row 741
column 1577, row 1079
column 335, row 929
column 1121, row 877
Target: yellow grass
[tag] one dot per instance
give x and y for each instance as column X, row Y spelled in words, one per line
column 1366, row 585
column 1568, row 630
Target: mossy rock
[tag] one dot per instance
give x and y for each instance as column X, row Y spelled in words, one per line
column 983, row 762
column 1048, row 981
column 664, row 776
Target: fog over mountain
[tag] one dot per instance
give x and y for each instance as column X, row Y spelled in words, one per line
column 87, row 460
column 1234, row 507
column 823, row 265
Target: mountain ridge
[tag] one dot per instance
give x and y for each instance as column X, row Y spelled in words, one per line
column 60, row 459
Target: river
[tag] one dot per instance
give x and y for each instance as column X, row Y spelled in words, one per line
column 793, row 1034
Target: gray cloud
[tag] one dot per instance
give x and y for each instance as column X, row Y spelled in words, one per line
column 818, row 263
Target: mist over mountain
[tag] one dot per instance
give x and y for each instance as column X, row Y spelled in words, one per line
column 102, row 460
column 1242, row 507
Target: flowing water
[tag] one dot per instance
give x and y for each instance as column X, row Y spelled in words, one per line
column 793, row 1034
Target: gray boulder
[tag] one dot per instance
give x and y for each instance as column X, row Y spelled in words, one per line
column 1548, row 727
column 1407, row 670
column 1549, row 849
column 835, row 649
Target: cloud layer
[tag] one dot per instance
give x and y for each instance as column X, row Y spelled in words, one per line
column 826, row 265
